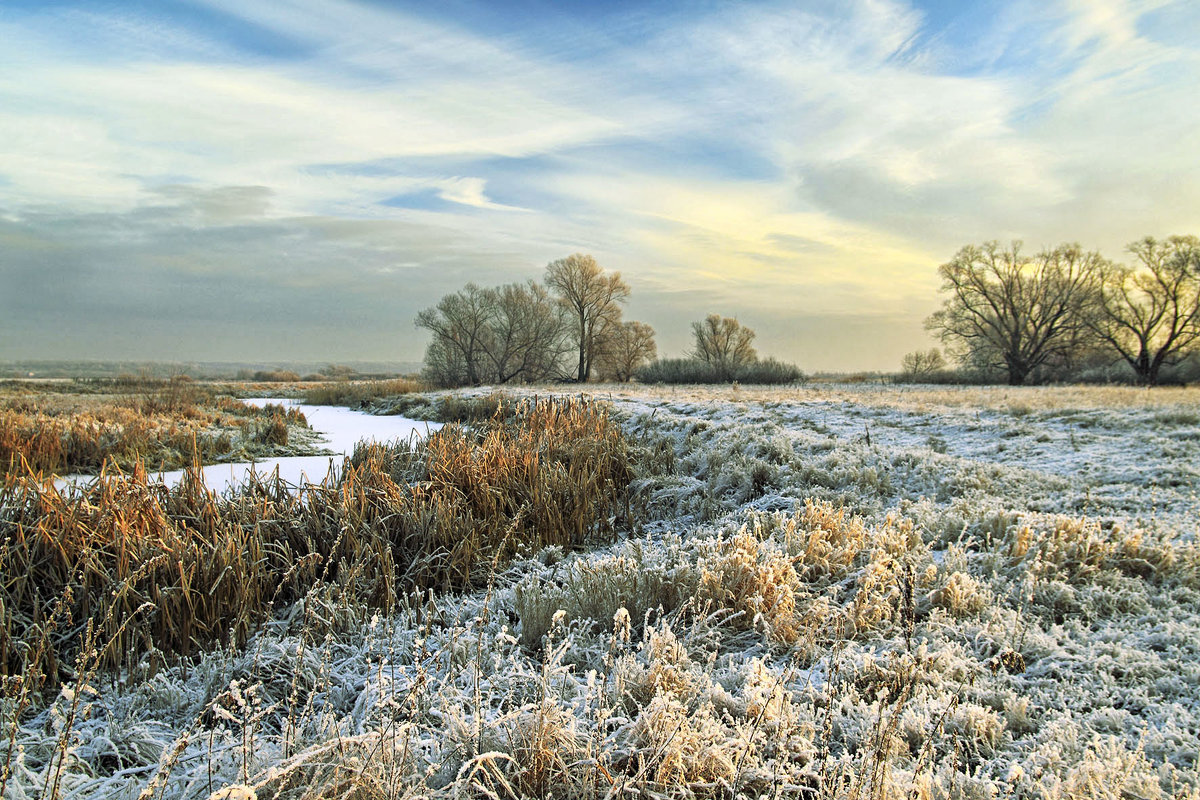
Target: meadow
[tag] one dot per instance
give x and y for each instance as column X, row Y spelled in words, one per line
column 833, row 591
column 76, row 427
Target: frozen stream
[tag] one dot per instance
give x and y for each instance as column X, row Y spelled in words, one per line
column 341, row 428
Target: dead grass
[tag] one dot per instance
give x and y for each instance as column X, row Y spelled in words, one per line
column 358, row 394
column 807, row 653
column 474, row 408
column 183, row 569
column 168, row 425
column 1173, row 404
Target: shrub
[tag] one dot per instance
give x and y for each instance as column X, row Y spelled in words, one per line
column 769, row 370
column 276, row 376
column 356, row 394
column 678, row 370
column 690, row 370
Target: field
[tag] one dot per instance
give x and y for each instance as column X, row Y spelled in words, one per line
column 75, row 427
column 830, row 591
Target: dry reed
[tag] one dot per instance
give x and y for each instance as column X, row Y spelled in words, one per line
column 165, row 429
column 396, row 519
column 357, row 394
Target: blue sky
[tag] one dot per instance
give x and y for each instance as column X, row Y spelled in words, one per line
column 296, row 179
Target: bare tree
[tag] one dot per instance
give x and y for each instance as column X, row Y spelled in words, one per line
column 625, row 347
column 724, row 344
column 1015, row 311
column 509, row 333
column 459, row 323
column 922, row 363
column 592, row 300
column 1150, row 314
column 445, row 364
column 525, row 338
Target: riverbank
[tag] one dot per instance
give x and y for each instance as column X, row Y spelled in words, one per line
column 68, row 428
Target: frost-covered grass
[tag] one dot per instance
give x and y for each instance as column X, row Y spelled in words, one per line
column 1118, row 454
column 847, row 592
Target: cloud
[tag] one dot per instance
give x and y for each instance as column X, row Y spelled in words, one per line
column 349, row 162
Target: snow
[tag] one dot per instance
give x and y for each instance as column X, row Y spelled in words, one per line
column 342, row 428
column 1135, row 461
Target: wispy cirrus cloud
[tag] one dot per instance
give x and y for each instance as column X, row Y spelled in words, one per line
column 795, row 165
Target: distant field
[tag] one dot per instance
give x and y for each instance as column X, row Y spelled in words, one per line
column 843, row 591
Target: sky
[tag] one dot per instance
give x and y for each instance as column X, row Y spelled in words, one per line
column 247, row 181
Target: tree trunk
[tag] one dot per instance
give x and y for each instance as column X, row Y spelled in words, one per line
column 1017, row 374
column 1155, row 365
column 581, row 376
column 1146, row 372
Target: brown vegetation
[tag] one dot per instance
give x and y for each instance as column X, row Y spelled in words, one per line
column 357, row 394
column 969, row 647
column 161, row 425
column 180, row 569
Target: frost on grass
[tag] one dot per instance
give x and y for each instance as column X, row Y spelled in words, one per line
column 804, row 616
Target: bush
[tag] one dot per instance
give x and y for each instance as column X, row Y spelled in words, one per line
column 691, row 370
column 356, row 394
column 276, row 376
column 678, row 370
column 941, row 377
column 768, row 370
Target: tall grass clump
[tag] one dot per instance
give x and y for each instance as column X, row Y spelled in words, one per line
column 166, row 430
column 357, row 394
column 474, row 409
column 182, row 569
column 543, row 472
column 83, row 442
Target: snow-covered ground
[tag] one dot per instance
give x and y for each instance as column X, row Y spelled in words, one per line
column 847, row 591
column 1117, row 454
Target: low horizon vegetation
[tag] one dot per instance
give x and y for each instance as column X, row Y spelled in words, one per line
column 766, row 371
column 353, row 393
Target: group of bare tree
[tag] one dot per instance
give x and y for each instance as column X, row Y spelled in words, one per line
column 723, row 353
column 569, row 328
column 1018, row 314
column 724, row 344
